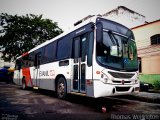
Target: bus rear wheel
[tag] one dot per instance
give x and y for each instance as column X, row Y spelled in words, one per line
column 61, row 88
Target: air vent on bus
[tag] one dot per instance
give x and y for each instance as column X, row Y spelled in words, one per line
column 122, row 89
column 117, row 81
column 121, row 75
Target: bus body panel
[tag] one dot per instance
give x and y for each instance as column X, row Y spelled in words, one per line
column 109, row 88
column 91, row 80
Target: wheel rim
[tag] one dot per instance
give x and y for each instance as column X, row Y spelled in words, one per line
column 61, row 89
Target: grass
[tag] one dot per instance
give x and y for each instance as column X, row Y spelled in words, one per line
column 154, row 79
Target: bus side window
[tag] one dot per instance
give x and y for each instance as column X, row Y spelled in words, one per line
column 90, row 49
column 76, row 48
column 84, row 48
column 48, row 54
column 37, row 59
column 18, row 65
column 63, row 48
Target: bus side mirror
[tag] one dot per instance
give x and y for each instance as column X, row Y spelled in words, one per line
column 99, row 33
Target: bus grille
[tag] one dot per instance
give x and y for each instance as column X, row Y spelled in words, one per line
column 115, row 81
column 121, row 75
column 122, row 89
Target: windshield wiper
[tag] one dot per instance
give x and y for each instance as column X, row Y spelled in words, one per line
column 113, row 38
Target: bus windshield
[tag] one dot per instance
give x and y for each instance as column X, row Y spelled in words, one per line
column 117, row 51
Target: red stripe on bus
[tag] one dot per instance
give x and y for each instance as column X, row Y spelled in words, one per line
column 27, row 74
column 24, row 54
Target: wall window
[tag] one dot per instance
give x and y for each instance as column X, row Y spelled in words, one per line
column 155, row 39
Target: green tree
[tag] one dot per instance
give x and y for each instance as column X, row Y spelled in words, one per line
column 19, row 34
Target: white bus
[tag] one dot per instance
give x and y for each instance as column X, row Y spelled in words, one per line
column 97, row 58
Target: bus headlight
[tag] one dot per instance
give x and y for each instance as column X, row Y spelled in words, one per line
column 105, row 79
column 136, row 81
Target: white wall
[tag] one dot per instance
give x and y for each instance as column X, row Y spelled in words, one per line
column 125, row 17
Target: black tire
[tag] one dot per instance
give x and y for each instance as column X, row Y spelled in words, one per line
column 23, row 84
column 61, row 88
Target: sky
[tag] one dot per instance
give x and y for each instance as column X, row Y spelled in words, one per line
column 67, row 12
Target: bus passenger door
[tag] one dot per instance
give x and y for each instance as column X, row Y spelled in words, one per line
column 79, row 64
column 36, row 70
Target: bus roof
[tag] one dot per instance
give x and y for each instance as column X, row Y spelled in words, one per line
column 92, row 19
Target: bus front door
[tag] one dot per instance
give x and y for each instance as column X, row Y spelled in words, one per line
column 36, row 70
column 79, row 64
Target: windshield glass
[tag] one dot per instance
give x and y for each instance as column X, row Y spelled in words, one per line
column 117, row 51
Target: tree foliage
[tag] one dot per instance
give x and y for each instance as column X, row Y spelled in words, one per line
column 19, row 34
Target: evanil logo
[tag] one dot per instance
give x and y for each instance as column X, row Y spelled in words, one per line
column 47, row 73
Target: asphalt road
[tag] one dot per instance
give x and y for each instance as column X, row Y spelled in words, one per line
column 18, row 104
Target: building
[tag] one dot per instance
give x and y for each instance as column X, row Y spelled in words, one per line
column 125, row 16
column 147, row 37
column 122, row 15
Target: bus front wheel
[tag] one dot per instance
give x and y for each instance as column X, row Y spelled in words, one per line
column 61, row 88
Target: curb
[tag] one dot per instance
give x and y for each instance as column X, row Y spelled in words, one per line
column 148, row 97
